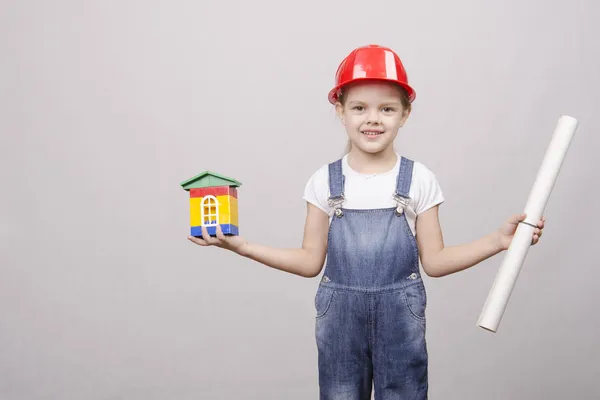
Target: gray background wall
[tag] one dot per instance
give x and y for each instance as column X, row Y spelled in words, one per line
column 106, row 106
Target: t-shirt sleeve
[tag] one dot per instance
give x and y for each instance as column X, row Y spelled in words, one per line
column 428, row 192
column 316, row 190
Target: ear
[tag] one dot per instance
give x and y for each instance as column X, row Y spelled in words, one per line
column 406, row 113
column 339, row 109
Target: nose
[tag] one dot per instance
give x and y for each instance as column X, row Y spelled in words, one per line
column 373, row 117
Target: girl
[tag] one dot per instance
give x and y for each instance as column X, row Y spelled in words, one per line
column 374, row 214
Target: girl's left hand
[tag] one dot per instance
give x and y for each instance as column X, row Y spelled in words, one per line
column 507, row 231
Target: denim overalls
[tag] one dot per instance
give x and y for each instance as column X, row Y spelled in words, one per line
column 370, row 303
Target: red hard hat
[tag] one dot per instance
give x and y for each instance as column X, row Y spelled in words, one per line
column 372, row 62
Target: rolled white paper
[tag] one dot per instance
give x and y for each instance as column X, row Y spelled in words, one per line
column 507, row 274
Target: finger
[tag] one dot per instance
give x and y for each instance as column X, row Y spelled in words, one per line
column 198, row 241
column 516, row 218
column 534, row 240
column 205, row 234
column 207, row 238
column 220, row 234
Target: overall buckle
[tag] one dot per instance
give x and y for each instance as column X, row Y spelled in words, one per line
column 336, row 203
column 401, row 203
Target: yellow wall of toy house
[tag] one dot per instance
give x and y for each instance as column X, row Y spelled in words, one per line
column 228, row 210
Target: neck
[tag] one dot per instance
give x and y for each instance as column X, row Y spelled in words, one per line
column 372, row 163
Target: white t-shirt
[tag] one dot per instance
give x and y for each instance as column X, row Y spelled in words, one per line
column 369, row 191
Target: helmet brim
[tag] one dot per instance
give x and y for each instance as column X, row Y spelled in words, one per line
column 333, row 93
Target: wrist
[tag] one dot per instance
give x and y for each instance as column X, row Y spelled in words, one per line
column 497, row 242
column 243, row 250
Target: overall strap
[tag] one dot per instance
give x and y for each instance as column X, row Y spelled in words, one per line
column 403, row 184
column 336, row 187
column 336, row 180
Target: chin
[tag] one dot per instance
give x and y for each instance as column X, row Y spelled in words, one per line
column 372, row 148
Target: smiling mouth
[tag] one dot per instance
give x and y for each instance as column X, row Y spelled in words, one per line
column 372, row 133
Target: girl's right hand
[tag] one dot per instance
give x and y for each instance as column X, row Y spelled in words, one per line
column 237, row 244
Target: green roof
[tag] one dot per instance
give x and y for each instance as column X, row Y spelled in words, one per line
column 209, row 179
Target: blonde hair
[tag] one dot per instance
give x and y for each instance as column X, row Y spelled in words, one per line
column 404, row 99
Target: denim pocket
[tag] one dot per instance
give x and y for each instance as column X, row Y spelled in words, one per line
column 415, row 299
column 323, row 300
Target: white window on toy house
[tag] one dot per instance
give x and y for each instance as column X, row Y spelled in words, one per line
column 210, row 211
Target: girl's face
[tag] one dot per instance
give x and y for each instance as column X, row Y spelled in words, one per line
column 372, row 113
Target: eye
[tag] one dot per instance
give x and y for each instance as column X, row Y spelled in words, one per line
column 388, row 109
column 358, row 108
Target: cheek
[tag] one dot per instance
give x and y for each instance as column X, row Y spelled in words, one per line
column 393, row 121
column 353, row 121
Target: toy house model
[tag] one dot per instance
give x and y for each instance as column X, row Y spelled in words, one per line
column 213, row 201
